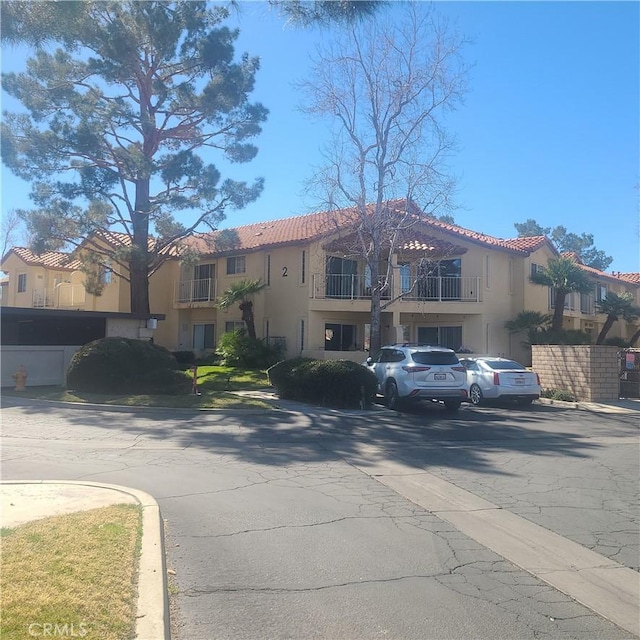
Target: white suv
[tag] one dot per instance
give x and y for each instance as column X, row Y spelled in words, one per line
column 419, row 372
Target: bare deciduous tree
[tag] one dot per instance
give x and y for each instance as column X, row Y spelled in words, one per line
column 10, row 226
column 385, row 86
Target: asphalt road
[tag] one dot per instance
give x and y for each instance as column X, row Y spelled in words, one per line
column 282, row 524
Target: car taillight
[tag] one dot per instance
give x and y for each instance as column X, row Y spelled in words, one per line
column 496, row 379
column 538, row 379
column 458, row 369
column 409, row 369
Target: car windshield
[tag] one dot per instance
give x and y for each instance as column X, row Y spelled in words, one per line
column 503, row 364
column 434, row 357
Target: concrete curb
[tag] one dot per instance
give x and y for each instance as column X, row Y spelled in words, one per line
column 152, row 619
column 596, row 407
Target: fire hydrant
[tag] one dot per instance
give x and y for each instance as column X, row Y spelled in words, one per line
column 20, row 378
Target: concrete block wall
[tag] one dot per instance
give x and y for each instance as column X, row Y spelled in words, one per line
column 590, row 372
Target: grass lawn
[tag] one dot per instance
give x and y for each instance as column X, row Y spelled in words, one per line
column 77, row 571
column 215, row 384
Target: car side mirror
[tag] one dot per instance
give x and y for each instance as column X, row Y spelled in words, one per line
column 369, row 361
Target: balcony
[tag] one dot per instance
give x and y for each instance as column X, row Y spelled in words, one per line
column 343, row 287
column 63, row 296
column 195, row 292
column 432, row 289
column 445, row 289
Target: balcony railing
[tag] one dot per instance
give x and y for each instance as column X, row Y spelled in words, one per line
column 188, row 291
column 445, row 289
column 63, row 296
column 358, row 287
column 344, row 287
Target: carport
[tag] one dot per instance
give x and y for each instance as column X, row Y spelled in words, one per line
column 43, row 341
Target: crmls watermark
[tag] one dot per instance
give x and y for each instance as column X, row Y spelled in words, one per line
column 51, row 630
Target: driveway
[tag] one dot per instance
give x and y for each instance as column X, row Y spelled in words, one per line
column 285, row 525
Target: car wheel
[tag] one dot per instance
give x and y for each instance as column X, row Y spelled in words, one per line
column 475, row 395
column 391, row 395
column 452, row 405
column 525, row 402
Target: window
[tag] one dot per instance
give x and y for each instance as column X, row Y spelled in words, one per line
column 440, row 280
column 233, row 326
column 341, row 277
column 236, row 264
column 510, row 276
column 450, row 337
column 302, row 336
column 601, row 292
column 303, row 268
column 405, row 277
column 268, row 275
column 535, row 268
column 107, row 274
column 22, row 282
column 339, row 337
column 203, row 337
column 203, row 280
column 487, row 263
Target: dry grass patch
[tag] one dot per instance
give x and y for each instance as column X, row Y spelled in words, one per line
column 215, row 384
column 78, row 570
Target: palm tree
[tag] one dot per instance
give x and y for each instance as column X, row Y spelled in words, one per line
column 565, row 276
column 242, row 292
column 616, row 306
column 531, row 322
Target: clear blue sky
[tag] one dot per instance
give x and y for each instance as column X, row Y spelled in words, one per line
column 549, row 129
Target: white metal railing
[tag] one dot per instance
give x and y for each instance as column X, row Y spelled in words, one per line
column 63, row 296
column 203, row 290
column 344, row 286
column 445, row 289
column 358, row 287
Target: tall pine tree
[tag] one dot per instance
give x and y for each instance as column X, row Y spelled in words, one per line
column 118, row 118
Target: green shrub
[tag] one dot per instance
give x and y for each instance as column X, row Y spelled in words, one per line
column 617, row 342
column 124, row 365
column 564, row 336
column 333, row 383
column 558, row 394
column 237, row 349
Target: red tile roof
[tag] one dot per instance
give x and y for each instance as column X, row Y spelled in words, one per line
column 531, row 243
column 48, row 259
column 316, row 225
column 628, row 278
column 634, row 278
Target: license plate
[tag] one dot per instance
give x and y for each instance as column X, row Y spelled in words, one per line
column 439, row 376
column 519, row 380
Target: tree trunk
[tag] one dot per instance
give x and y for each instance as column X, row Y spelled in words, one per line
column 248, row 318
column 375, row 337
column 634, row 338
column 139, row 263
column 608, row 323
column 558, row 311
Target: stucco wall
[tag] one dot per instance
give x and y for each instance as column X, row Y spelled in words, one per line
column 589, row 372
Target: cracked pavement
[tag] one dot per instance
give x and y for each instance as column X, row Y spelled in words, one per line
column 276, row 526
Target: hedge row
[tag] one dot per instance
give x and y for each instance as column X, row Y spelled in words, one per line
column 330, row 383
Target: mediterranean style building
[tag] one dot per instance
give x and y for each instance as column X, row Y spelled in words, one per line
column 449, row 285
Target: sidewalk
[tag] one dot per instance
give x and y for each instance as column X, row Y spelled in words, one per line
column 32, row 500
column 623, row 405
